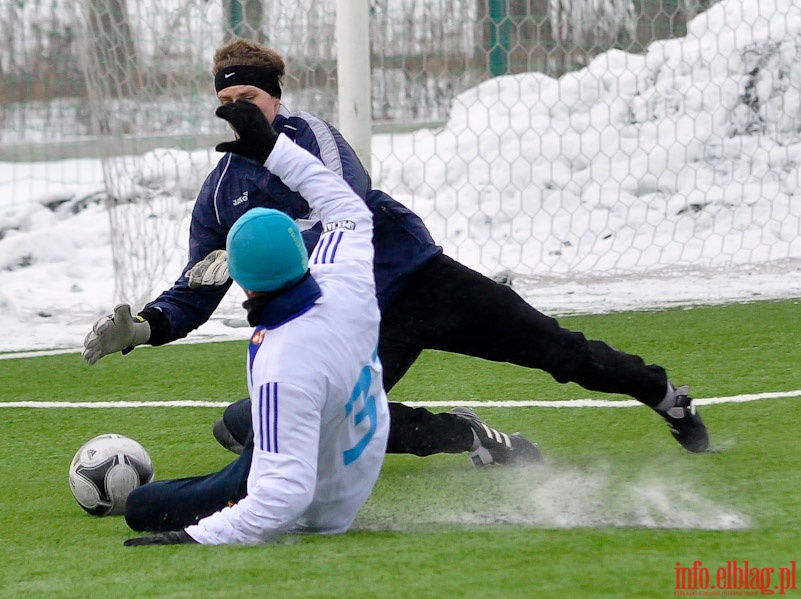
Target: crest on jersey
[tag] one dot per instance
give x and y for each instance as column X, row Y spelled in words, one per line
column 258, row 337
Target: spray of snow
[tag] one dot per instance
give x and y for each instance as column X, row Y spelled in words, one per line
column 564, row 496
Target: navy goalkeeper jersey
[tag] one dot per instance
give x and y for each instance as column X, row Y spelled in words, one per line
column 401, row 240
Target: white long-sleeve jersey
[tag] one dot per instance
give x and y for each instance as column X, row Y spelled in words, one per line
column 320, row 416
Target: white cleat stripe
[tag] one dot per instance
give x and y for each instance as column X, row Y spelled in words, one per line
column 491, row 433
column 497, row 436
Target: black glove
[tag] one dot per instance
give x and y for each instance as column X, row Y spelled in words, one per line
column 177, row 537
column 256, row 135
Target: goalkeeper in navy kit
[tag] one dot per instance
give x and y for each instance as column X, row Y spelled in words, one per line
column 313, row 372
column 427, row 300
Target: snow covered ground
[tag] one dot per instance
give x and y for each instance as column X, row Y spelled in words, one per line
column 666, row 179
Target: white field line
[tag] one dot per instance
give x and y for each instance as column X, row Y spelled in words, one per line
column 570, row 403
column 38, row 353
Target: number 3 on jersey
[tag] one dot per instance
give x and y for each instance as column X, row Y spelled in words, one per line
column 368, row 411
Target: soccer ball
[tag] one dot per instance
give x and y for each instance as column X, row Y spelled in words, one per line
column 105, row 471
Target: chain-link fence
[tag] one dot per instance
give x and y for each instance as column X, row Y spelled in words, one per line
column 56, row 54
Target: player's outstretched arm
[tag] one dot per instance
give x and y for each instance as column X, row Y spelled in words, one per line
column 327, row 193
column 113, row 333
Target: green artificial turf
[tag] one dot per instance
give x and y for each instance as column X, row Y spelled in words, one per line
column 612, row 512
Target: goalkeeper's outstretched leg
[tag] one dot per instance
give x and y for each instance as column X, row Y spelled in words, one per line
column 414, row 431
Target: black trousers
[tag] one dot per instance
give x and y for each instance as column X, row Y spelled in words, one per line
column 447, row 306
column 174, row 504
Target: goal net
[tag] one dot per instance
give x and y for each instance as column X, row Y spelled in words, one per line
column 551, row 143
column 148, row 70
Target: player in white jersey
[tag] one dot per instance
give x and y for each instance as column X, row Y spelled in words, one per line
column 318, row 405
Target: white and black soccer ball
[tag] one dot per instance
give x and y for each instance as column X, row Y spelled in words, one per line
column 105, row 471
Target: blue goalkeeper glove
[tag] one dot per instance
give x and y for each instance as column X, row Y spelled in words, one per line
column 177, row 537
column 255, row 135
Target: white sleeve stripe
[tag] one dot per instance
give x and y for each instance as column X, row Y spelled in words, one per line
column 217, row 189
column 329, row 151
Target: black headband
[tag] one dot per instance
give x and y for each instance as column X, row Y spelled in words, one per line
column 262, row 77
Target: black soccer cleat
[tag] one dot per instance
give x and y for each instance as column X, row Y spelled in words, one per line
column 494, row 447
column 685, row 423
column 225, row 438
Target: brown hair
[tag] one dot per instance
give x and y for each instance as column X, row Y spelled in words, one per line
column 247, row 52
